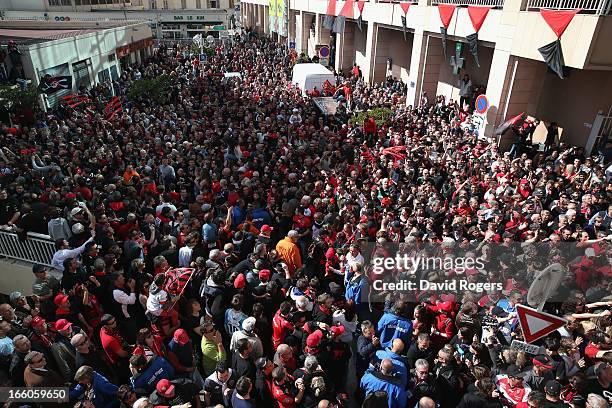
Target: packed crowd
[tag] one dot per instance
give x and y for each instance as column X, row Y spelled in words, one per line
column 274, row 210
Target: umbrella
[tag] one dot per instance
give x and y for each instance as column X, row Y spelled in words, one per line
column 501, row 129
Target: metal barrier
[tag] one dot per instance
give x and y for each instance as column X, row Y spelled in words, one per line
column 37, row 248
column 602, row 7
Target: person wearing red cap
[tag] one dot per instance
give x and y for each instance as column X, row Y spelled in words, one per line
column 171, row 393
column 540, row 373
column 339, row 356
column 181, row 356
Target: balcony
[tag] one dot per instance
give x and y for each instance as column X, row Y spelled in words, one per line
column 490, row 3
column 599, row 7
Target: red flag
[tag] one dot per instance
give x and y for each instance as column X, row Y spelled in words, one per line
column 478, row 15
column 331, row 8
column 446, row 13
column 75, row 100
column 112, row 107
column 176, row 280
column 348, row 10
column 360, row 5
column 405, row 5
column 558, row 20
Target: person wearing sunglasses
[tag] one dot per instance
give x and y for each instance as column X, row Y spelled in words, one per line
column 36, row 373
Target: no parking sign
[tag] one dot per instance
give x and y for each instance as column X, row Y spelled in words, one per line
column 482, row 104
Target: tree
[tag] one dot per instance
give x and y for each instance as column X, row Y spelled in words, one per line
column 22, row 103
column 157, row 89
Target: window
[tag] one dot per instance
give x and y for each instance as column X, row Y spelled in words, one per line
column 166, row 5
column 153, row 4
column 213, row 4
column 183, row 4
column 81, row 75
column 198, row 4
column 60, row 2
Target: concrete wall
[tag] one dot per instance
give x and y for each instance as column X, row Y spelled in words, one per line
column 448, row 82
column 360, row 38
column 391, row 44
column 575, row 101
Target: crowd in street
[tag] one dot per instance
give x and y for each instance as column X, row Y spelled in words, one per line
column 265, row 214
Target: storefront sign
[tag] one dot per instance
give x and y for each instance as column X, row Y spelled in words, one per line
column 135, row 46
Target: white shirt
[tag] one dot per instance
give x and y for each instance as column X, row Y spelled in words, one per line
column 184, row 256
column 124, row 299
column 60, row 256
column 155, row 302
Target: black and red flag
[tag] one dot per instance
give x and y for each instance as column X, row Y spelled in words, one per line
column 112, row 108
column 405, row 5
column 360, row 4
column 477, row 15
column 75, row 100
column 50, row 84
column 177, row 279
column 330, row 15
column 446, row 15
column 558, row 20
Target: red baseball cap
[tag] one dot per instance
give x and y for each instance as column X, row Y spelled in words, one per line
column 337, row 330
column 264, row 274
column 240, row 281
column 60, row 299
column 181, row 337
column 37, row 321
column 62, row 324
column 165, row 388
column 266, row 230
column 314, row 339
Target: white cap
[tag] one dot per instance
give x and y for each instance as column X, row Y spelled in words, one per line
column 249, row 324
column 78, row 228
column 75, row 211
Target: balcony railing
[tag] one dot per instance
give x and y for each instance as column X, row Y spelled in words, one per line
column 490, row 3
column 586, row 6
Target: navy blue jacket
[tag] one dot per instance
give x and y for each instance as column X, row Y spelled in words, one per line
column 145, row 382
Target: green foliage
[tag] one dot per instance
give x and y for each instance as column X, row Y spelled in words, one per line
column 380, row 115
column 156, row 89
column 13, row 97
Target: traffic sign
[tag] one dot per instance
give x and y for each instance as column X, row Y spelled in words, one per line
column 292, row 45
column 324, row 51
column 482, row 104
column 536, row 325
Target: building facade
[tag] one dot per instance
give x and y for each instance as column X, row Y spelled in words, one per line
column 511, row 73
column 87, row 53
column 168, row 19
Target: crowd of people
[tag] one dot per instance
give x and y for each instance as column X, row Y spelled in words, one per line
column 265, row 214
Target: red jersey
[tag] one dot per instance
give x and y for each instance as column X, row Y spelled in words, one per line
column 281, row 327
column 515, row 396
column 283, row 394
column 111, row 343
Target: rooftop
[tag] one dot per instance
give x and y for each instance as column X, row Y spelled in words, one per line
column 35, row 32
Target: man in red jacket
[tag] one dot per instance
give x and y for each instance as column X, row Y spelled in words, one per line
column 281, row 326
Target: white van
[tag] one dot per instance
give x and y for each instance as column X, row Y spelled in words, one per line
column 307, row 76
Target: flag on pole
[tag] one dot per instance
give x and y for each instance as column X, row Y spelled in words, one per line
column 75, row 100
column 50, row 85
column 177, row 279
column 360, row 5
column 112, row 108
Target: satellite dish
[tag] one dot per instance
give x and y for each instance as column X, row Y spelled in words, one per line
column 544, row 285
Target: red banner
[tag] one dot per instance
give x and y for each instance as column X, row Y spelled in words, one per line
column 360, row 5
column 331, row 8
column 348, row 9
column 446, row 13
column 478, row 15
column 405, row 5
column 558, row 20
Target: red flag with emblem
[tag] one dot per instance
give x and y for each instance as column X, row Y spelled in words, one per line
column 75, row 100
column 112, row 108
column 177, row 279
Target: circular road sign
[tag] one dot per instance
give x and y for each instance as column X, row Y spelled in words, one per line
column 482, row 104
column 324, row 51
